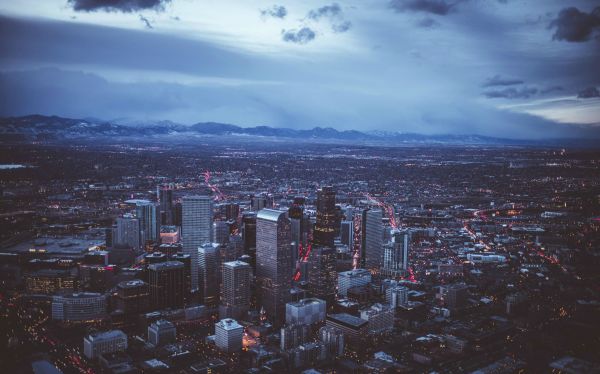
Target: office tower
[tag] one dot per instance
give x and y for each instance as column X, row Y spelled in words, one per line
column 324, row 231
column 221, row 234
column 333, row 340
column 197, row 228
column 380, row 317
column 186, row 260
column 165, row 199
column 352, row 278
column 232, row 211
column 258, row 202
column 347, row 233
column 396, row 255
column 209, row 260
column 162, row 332
column 273, row 262
column 305, row 312
column 128, row 232
column 235, row 300
column 148, row 215
column 234, row 249
column 292, row 336
column 79, row 307
column 133, row 296
column 454, row 295
column 249, row 236
column 296, row 216
column 112, row 341
column 372, row 239
column 228, row 335
column 322, row 274
column 397, row 296
column 166, row 284
column 177, row 213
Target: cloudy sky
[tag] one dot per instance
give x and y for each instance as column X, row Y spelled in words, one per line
column 511, row 68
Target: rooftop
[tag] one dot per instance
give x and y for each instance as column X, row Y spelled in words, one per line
column 348, row 320
column 229, row 324
column 269, row 214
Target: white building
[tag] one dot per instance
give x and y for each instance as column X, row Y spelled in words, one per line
column 380, row 317
column 396, row 296
column 104, row 342
column 352, row 278
column 196, row 228
column 305, row 312
column 228, row 335
column 162, row 332
column 79, row 307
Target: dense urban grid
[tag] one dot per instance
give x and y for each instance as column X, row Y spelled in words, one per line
column 255, row 256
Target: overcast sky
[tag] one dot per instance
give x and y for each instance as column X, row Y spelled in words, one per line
column 511, row 68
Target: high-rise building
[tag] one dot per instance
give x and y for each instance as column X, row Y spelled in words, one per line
column 209, row 259
column 221, row 232
column 292, row 336
column 372, row 239
column 333, row 339
column 305, row 312
column 133, row 296
column 235, row 299
column 127, row 232
column 148, row 215
column 79, row 307
column 352, row 278
column 258, row 202
column 165, row 199
column 380, row 317
column 454, row 295
column 228, row 335
column 322, row 274
column 105, row 342
column 395, row 253
column 273, row 262
column 197, row 228
column 166, row 284
column 249, row 236
column 186, row 260
column 396, row 296
column 162, row 332
column 324, row 232
column 347, row 233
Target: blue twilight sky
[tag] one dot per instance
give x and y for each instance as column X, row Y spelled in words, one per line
column 511, row 68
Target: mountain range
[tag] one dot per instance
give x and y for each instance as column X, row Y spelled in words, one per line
column 40, row 127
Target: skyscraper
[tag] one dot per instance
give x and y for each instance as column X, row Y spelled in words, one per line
column 347, row 233
column 324, row 231
column 235, row 299
column 148, row 215
column 273, row 262
column 322, row 274
column 372, row 239
column 127, row 232
column 395, row 255
column 229, row 335
column 197, row 228
column 209, row 260
column 249, row 236
column 166, row 284
column 165, row 199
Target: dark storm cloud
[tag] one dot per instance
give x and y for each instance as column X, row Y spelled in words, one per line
column 276, row 11
column 498, row 80
column 588, row 93
column 117, row 5
column 512, row 93
column 439, row 7
column 302, row 36
column 146, row 22
column 574, row 25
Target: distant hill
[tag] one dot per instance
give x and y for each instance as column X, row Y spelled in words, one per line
column 39, row 127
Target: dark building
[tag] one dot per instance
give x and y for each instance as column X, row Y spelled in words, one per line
column 167, row 282
column 322, row 274
column 133, row 296
column 165, row 199
column 249, row 236
column 324, row 232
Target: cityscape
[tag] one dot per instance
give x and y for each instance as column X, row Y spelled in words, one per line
column 299, row 187
column 244, row 257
